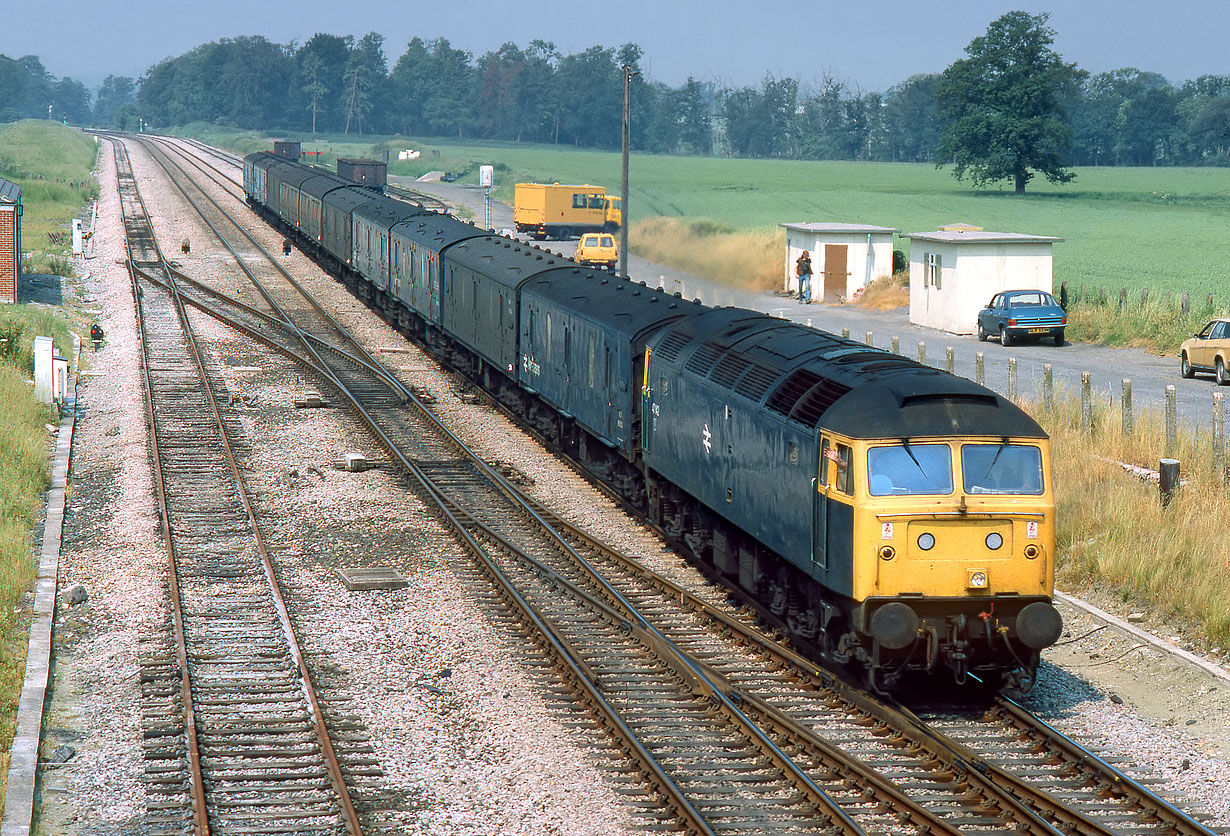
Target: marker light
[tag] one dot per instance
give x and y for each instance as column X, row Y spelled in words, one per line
column 926, row 542
column 994, row 540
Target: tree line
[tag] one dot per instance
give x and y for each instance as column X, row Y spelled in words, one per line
column 340, row 84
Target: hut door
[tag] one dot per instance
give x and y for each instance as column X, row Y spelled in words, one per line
column 834, row 272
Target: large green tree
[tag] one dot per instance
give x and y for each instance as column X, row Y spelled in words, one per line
column 1003, row 109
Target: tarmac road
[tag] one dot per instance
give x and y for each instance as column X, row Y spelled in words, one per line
column 1108, row 367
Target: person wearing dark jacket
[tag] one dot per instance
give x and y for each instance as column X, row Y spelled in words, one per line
column 803, row 271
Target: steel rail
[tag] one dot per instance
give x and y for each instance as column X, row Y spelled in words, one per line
column 372, row 364
column 324, row 740
column 195, row 778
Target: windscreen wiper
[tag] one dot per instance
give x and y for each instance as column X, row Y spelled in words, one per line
column 905, row 442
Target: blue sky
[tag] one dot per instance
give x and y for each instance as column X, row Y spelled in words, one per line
column 870, row 45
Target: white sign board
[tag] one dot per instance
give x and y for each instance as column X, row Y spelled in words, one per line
column 43, row 352
column 486, row 176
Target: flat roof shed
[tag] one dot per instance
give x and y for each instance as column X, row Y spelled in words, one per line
column 845, row 257
column 10, row 239
column 955, row 272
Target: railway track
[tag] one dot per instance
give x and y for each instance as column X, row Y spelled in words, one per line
column 732, row 732
column 236, row 737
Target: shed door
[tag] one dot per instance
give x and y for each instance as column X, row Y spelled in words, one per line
column 834, row 272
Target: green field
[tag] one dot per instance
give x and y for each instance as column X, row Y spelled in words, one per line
column 1160, row 228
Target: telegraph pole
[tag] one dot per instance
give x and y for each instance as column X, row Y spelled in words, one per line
column 629, row 74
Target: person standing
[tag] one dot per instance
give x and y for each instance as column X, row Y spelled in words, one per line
column 803, row 271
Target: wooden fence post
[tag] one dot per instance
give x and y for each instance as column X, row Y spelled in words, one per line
column 980, row 372
column 869, row 339
column 922, row 352
column 1185, row 304
column 845, row 333
column 1127, row 407
column 1086, row 402
column 1012, row 378
column 1048, row 387
column 1172, row 421
column 1122, row 297
column 950, row 360
column 1219, row 434
column 896, row 345
column 1144, row 296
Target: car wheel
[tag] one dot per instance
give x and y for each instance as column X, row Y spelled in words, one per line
column 1059, row 339
column 1185, row 367
column 1005, row 339
column 1219, row 371
column 982, row 333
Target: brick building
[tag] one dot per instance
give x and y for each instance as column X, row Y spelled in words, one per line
column 10, row 239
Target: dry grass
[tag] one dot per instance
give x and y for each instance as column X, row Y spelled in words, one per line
column 1113, row 532
column 886, row 293
column 747, row 260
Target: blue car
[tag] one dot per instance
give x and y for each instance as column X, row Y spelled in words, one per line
column 1017, row 314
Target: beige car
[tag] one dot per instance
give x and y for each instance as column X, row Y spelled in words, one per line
column 1208, row 351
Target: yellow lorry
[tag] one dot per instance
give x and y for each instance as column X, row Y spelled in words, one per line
column 551, row 210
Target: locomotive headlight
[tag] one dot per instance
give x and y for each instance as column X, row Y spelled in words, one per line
column 926, row 542
column 1032, row 551
column 887, row 552
column 977, row 579
column 994, row 540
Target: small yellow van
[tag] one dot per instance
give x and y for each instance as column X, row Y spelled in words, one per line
column 597, row 249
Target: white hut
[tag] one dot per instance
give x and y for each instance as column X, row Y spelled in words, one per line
column 955, row 271
column 845, row 258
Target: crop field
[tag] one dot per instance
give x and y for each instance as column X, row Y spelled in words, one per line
column 1157, row 228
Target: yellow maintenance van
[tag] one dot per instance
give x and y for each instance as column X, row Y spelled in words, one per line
column 551, row 210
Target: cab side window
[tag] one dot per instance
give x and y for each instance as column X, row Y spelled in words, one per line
column 835, row 469
column 843, row 477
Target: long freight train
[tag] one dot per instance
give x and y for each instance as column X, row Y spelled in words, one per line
column 895, row 518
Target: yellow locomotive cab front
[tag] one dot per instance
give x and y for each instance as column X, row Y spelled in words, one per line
column 970, row 518
column 953, row 545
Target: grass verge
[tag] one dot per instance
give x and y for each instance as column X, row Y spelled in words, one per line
column 1114, row 533
column 52, row 163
